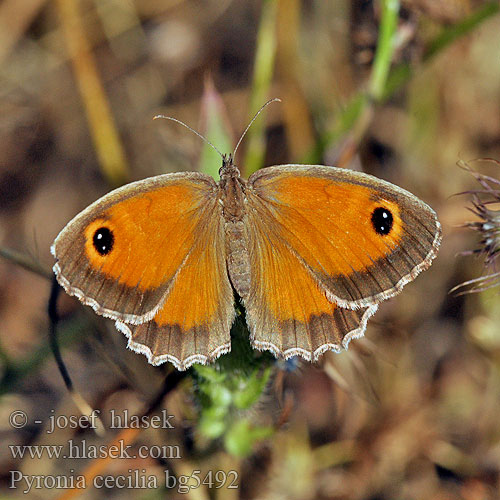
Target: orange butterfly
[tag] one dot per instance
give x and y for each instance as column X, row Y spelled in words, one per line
column 310, row 250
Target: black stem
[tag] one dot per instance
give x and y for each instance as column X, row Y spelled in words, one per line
column 54, row 344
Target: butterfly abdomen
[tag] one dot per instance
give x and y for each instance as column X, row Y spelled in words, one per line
column 238, row 260
column 233, row 209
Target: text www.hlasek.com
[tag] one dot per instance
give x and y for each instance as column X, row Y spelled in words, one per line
column 83, row 450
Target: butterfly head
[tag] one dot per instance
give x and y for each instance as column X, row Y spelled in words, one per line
column 228, row 169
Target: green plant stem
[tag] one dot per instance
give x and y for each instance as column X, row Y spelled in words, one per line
column 262, row 79
column 385, row 48
column 356, row 117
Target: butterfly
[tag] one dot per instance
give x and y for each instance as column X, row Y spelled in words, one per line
column 310, row 251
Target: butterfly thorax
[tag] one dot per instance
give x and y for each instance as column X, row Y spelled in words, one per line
column 232, row 188
column 232, row 195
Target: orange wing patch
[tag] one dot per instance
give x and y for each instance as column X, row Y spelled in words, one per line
column 193, row 325
column 153, row 232
column 200, row 287
column 322, row 221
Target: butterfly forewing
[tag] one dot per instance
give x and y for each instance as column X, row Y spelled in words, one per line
column 362, row 239
column 122, row 254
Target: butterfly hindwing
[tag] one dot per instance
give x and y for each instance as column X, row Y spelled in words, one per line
column 193, row 324
column 287, row 311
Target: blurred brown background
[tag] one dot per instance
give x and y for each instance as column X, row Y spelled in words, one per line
column 410, row 411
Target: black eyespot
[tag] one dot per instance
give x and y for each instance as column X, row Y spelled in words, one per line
column 382, row 221
column 103, row 240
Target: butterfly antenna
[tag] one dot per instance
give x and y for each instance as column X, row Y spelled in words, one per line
column 252, row 120
column 192, row 130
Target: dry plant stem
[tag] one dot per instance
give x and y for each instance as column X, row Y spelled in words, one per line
column 101, row 123
column 296, row 116
column 354, row 138
column 125, row 437
column 480, row 284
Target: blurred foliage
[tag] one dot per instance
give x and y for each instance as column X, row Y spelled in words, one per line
column 402, row 90
column 227, row 389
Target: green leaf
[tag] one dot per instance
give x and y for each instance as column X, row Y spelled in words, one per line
column 242, row 436
column 213, row 422
column 215, row 127
column 250, row 389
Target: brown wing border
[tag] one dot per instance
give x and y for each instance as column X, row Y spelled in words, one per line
column 180, row 364
column 319, row 351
